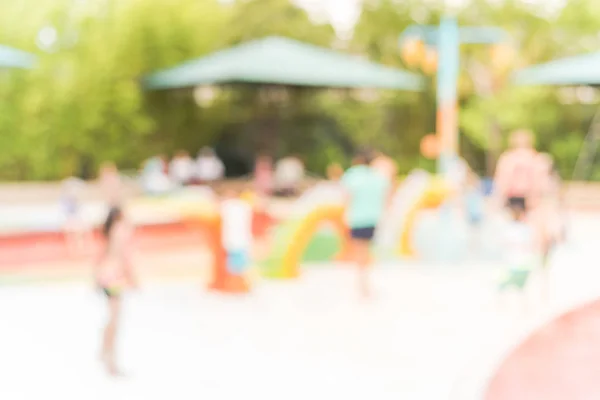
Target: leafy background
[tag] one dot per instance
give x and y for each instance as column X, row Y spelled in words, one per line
column 84, row 104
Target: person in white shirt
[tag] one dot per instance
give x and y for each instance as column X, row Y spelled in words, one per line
column 236, row 231
column 209, row 167
column 155, row 179
column 289, row 172
column 182, row 168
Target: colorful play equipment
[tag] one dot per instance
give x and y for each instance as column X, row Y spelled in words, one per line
column 419, row 195
column 404, row 199
column 319, row 235
column 316, row 232
column 416, row 226
column 203, row 216
column 434, row 195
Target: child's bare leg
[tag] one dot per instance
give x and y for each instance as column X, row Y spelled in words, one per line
column 110, row 333
column 363, row 261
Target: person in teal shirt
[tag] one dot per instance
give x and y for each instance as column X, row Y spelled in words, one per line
column 368, row 192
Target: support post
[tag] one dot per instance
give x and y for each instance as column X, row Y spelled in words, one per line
column 447, row 92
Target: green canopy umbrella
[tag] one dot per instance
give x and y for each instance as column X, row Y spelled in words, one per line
column 579, row 70
column 282, row 61
column 13, row 58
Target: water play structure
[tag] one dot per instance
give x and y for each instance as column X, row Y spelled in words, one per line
column 316, row 231
column 201, row 213
column 311, row 233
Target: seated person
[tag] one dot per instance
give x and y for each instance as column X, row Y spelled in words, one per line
column 289, row 172
column 155, row 180
column 209, row 167
column 181, row 168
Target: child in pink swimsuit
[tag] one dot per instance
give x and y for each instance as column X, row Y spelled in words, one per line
column 113, row 276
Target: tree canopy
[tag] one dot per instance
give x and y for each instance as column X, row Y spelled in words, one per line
column 84, row 104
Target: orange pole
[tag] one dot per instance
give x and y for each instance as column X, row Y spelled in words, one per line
column 222, row 280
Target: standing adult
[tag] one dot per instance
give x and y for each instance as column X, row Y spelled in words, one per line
column 155, row 177
column 517, row 172
column 367, row 192
column 209, row 167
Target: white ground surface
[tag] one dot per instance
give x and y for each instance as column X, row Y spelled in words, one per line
column 430, row 333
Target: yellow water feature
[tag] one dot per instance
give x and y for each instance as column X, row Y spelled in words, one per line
column 436, row 193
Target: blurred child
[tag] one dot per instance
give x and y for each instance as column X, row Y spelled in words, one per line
column 236, row 231
column 519, row 246
column 474, row 201
column 113, row 276
column 77, row 234
column 474, row 204
column 367, row 194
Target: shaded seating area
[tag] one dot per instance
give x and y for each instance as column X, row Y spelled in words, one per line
column 279, row 61
column 283, row 61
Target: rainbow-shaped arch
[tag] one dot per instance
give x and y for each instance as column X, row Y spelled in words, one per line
column 433, row 196
column 286, row 265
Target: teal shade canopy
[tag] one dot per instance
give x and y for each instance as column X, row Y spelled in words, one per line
column 579, row 70
column 283, row 61
column 13, row 58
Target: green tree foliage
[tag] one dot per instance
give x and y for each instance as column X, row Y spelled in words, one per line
column 83, row 104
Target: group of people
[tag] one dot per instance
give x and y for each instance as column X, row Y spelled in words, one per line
column 161, row 176
column 282, row 179
column 368, row 184
column 525, row 184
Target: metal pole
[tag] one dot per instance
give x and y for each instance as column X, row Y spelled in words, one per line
column 447, row 87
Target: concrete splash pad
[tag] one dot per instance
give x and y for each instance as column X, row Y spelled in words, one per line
column 416, row 340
